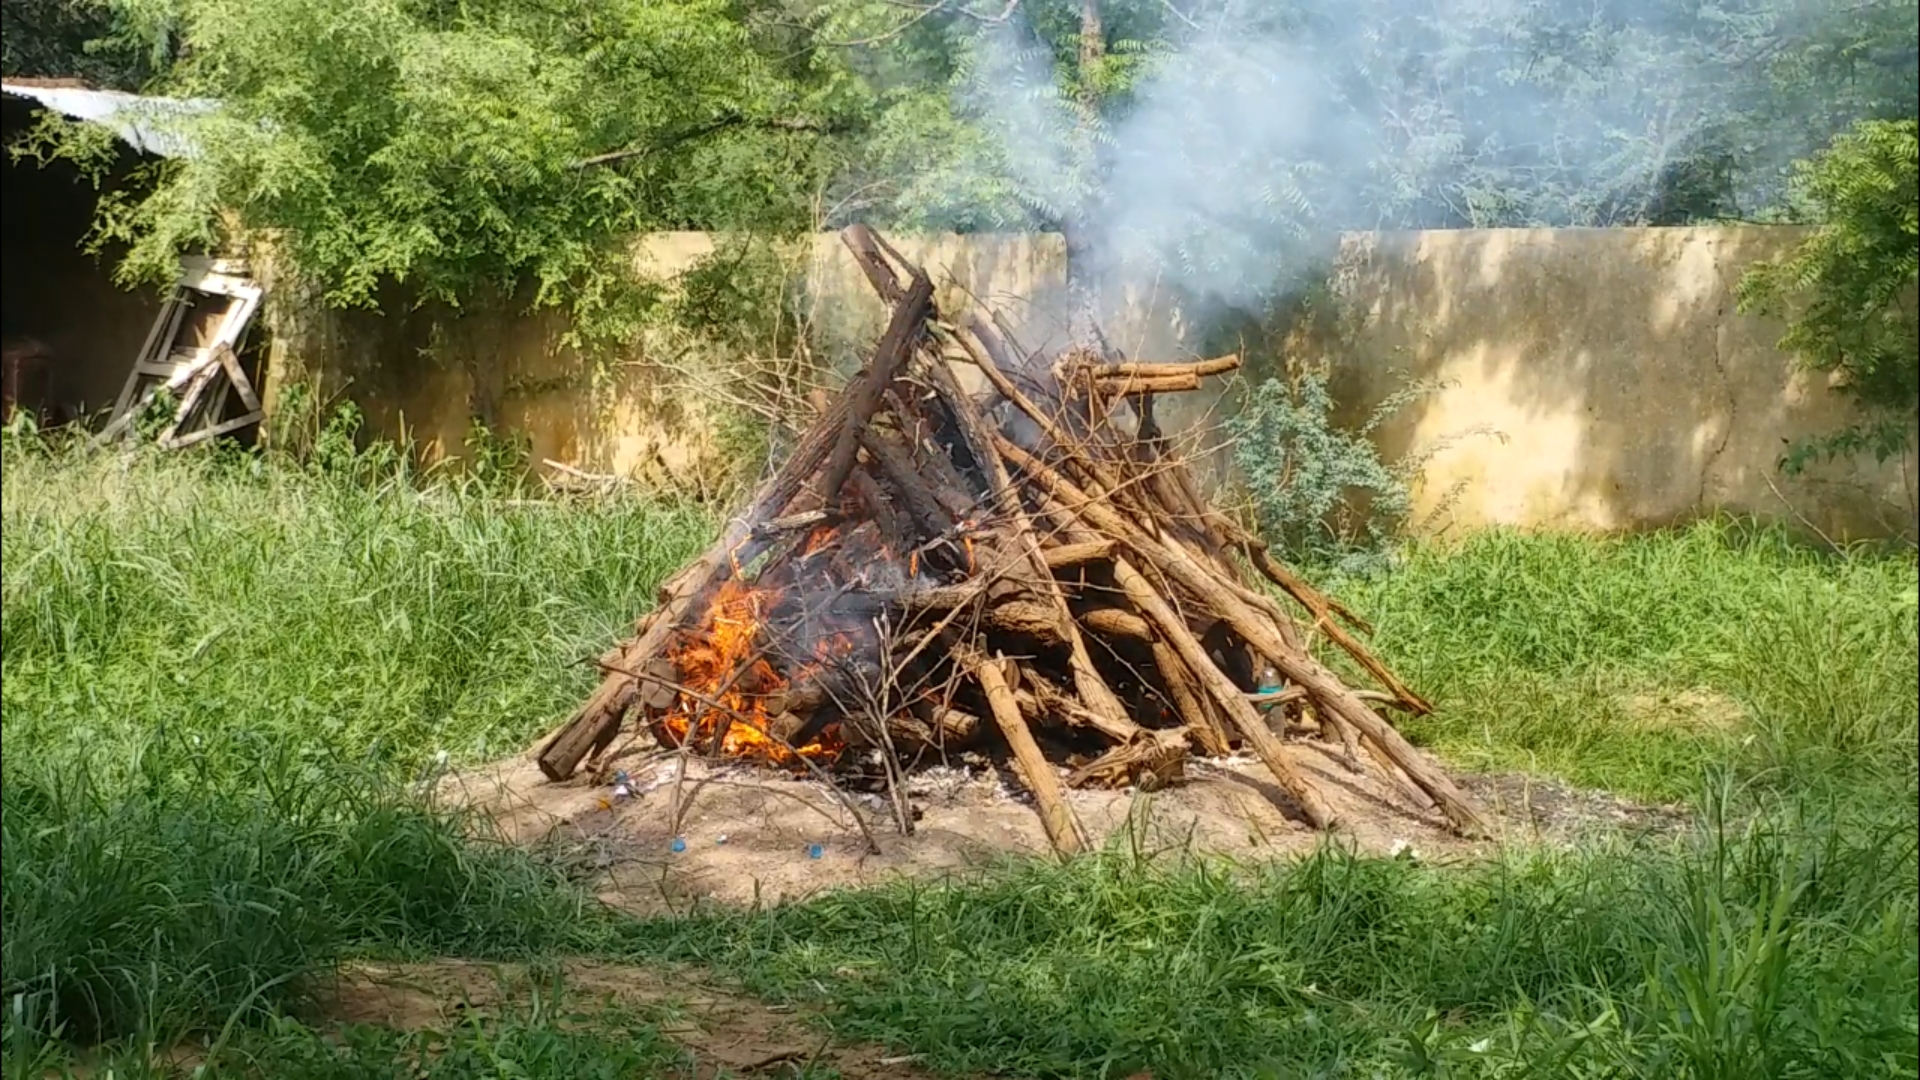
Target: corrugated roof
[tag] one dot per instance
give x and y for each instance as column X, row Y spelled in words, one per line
column 140, row 122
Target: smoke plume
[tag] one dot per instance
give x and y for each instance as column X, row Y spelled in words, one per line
column 1261, row 130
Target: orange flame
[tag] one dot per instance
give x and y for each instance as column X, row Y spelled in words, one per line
column 717, row 693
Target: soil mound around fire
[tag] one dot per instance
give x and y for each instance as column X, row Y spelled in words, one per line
column 748, row 836
column 979, row 550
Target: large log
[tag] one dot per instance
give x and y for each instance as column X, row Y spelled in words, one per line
column 889, row 357
column 1071, row 556
column 1148, row 384
column 1063, row 828
column 1126, row 369
column 1230, row 698
column 594, row 724
column 1092, row 686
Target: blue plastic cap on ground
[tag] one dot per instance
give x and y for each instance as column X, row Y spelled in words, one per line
column 678, row 845
column 814, row 851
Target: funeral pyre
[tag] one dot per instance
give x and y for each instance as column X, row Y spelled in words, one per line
column 974, row 549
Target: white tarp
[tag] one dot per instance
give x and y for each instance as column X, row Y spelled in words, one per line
column 140, row 122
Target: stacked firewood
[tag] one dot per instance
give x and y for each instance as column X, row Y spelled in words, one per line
column 1025, row 567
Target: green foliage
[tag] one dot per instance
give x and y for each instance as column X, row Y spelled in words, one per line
column 1321, row 494
column 220, row 671
column 72, row 39
column 185, row 890
column 254, row 580
column 538, row 1045
column 1850, row 288
column 220, row 675
column 1636, row 663
column 1792, row 943
column 461, row 150
column 1430, row 114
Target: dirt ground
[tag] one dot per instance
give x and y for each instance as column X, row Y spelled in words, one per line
column 727, row 1034
column 746, row 836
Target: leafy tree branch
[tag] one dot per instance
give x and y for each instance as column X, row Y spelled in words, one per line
column 1849, row 290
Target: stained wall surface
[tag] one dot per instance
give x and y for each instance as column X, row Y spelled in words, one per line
column 1596, row 379
column 1590, row 379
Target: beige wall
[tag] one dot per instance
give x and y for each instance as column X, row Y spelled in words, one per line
column 1616, row 383
column 423, row 374
column 1611, row 381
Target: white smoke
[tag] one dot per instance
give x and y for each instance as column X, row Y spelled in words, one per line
column 1251, row 135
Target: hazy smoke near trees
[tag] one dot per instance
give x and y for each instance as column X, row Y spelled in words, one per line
column 1248, row 129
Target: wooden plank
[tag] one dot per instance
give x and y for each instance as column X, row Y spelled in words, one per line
column 215, row 431
column 220, row 277
column 196, row 389
column 158, row 337
column 237, row 375
column 151, row 345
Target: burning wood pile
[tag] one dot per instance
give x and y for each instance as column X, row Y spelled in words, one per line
column 1024, row 568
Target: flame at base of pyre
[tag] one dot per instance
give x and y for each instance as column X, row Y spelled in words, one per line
column 785, row 649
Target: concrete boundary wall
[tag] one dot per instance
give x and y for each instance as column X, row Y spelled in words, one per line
column 1593, row 379
column 1625, row 388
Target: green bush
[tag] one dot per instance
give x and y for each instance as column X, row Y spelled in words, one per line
column 1322, row 495
column 1850, row 287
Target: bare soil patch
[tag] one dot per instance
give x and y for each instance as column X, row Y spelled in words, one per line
column 727, row 1034
column 748, row 836
column 1695, row 709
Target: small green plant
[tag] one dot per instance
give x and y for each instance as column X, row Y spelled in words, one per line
column 22, row 428
column 154, row 417
column 1320, row 493
column 502, row 463
column 336, row 450
column 1850, row 287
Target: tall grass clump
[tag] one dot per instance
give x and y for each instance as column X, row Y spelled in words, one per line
column 1638, row 663
column 220, row 677
column 1783, row 947
column 227, row 680
column 173, row 901
column 229, row 600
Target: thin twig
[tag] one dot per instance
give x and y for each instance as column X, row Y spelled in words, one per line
column 1801, row 518
column 819, row 774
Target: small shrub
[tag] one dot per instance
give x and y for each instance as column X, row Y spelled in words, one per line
column 1851, row 285
column 1321, row 494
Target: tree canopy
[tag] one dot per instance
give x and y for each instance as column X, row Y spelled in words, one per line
column 483, row 144
column 478, row 145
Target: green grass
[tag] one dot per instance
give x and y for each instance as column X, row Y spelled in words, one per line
column 217, row 680
column 1794, row 950
column 229, row 604
column 223, row 682
column 1640, row 664
column 540, row 1042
